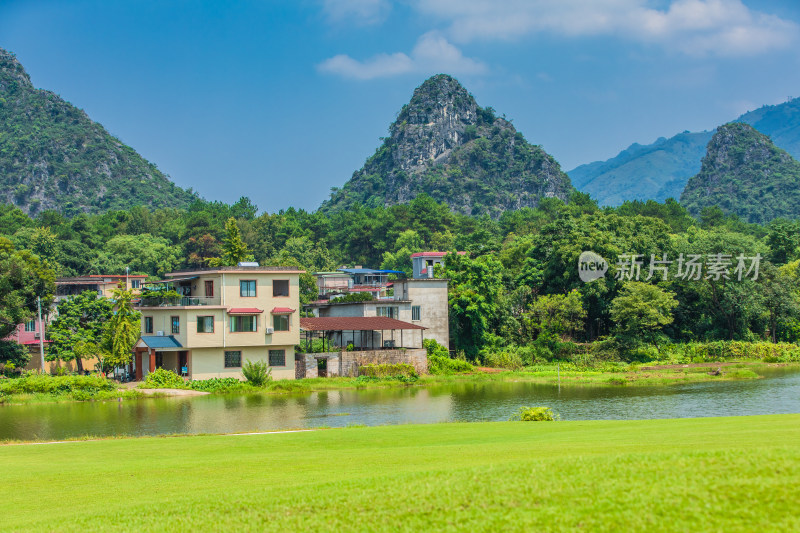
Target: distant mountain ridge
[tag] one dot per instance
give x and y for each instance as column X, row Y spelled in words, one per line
column 53, row 156
column 661, row 170
column 443, row 144
column 745, row 174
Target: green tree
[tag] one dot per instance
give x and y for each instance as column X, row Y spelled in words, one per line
column 641, row 311
column 557, row 314
column 80, row 322
column 476, row 288
column 121, row 331
column 23, row 278
column 140, row 253
column 12, row 353
column 783, row 240
column 234, row 249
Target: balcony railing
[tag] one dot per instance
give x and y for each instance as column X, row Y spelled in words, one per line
column 179, row 301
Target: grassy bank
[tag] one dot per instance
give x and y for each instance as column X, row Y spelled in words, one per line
column 724, row 474
column 37, row 389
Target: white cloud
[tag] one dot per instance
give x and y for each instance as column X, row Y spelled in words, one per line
column 432, row 53
column 697, row 27
column 360, row 12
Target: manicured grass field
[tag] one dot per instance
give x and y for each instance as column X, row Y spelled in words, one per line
column 720, row 474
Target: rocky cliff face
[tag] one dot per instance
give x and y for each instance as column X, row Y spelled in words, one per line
column 745, row 174
column 445, row 145
column 52, row 156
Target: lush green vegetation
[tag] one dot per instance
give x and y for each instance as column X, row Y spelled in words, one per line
column 654, row 171
column 726, row 474
column 257, row 373
column 42, row 387
column 517, row 291
column 661, row 170
column 488, row 168
column 387, row 371
column 52, row 156
column 745, row 174
column 534, row 414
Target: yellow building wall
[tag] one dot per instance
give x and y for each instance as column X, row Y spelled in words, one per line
column 205, row 363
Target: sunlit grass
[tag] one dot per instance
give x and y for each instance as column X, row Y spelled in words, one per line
column 721, row 474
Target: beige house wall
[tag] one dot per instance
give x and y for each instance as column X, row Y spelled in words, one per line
column 206, row 350
column 205, row 363
column 431, row 296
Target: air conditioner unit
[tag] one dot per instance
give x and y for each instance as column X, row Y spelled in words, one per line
column 37, row 335
column 159, row 333
column 270, row 331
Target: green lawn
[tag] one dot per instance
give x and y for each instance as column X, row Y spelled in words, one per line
column 721, row 474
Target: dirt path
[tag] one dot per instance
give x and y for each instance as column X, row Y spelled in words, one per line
column 173, row 392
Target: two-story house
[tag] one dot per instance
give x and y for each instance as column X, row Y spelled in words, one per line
column 221, row 318
column 421, row 300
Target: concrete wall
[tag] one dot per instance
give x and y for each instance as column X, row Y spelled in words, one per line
column 431, row 296
column 347, row 363
column 205, row 363
column 207, row 349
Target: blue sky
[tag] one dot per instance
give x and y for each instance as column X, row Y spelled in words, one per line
column 280, row 101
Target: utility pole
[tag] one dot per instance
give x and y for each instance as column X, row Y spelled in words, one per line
column 41, row 332
column 126, row 278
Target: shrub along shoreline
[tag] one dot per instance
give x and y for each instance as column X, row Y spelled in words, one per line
column 37, row 388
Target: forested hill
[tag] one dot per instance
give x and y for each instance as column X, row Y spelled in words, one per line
column 445, row 145
column 746, row 175
column 644, row 172
column 660, row 170
column 53, row 156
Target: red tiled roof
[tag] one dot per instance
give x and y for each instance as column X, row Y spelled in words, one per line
column 244, row 311
column 282, row 310
column 36, row 342
column 356, row 323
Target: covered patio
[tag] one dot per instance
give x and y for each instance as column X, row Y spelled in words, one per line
column 363, row 332
column 351, row 342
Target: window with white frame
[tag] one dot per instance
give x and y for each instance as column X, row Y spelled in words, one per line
column 416, row 312
column 30, row 326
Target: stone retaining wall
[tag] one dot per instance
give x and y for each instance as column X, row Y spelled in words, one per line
column 347, row 363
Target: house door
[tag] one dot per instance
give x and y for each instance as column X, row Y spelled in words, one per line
column 183, row 364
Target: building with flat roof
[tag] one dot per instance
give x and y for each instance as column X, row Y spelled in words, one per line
column 103, row 284
column 207, row 323
column 421, row 300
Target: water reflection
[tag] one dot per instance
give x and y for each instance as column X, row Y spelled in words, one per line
column 778, row 393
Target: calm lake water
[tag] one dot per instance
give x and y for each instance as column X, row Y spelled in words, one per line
column 779, row 392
